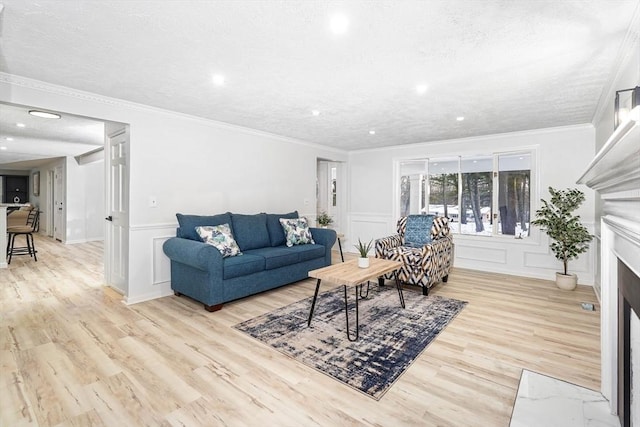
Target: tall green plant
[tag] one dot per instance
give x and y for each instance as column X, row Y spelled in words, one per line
column 570, row 237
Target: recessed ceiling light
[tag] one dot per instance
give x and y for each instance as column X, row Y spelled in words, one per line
column 339, row 24
column 421, row 89
column 20, row 125
column 218, row 79
column 9, row 138
column 3, row 148
column 459, row 118
column 44, row 114
column 315, row 112
column 372, row 132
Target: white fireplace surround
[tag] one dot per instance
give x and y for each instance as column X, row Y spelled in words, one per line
column 615, row 174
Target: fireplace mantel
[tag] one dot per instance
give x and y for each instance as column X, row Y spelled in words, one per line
column 615, row 170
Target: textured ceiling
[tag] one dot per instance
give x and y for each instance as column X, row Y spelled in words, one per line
column 505, row 65
column 41, row 139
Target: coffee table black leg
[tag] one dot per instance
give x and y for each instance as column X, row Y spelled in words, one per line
column 313, row 304
column 399, row 289
column 346, row 312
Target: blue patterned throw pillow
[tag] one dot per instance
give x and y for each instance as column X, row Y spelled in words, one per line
column 418, row 231
column 221, row 238
column 296, row 231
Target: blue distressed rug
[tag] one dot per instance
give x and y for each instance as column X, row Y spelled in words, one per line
column 390, row 338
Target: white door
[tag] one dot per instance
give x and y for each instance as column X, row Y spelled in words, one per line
column 58, row 204
column 117, row 220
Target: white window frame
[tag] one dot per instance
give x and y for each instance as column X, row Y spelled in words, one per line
column 532, row 151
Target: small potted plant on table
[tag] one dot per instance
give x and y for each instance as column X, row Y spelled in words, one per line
column 324, row 220
column 363, row 250
column 569, row 237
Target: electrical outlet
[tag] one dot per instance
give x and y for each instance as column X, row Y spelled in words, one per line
column 153, row 202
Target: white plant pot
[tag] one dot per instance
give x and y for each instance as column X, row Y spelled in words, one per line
column 363, row 262
column 567, row 282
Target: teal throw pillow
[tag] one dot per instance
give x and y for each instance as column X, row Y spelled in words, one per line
column 418, row 231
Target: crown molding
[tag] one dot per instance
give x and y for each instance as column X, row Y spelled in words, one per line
column 629, row 46
column 42, row 86
column 479, row 138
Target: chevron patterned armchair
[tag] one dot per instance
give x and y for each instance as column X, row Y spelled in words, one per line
column 425, row 247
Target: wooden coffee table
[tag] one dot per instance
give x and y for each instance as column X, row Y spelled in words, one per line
column 349, row 274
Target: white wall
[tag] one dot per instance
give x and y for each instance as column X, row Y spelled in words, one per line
column 85, row 201
column 189, row 165
column 562, row 155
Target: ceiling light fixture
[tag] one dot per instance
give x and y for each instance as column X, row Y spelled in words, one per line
column 218, row 79
column 315, row 112
column 44, row 114
column 339, row 24
column 372, row 132
column 20, row 125
column 9, row 138
column 3, row 148
column 459, row 118
column 421, row 89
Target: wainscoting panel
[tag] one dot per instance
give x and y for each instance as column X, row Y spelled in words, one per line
column 480, row 253
column 150, row 270
column 161, row 263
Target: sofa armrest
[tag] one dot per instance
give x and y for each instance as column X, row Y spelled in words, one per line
column 194, row 254
column 326, row 237
column 385, row 243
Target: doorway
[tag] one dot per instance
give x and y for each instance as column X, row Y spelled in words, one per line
column 330, row 191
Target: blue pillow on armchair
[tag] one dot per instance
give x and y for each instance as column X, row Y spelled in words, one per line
column 418, row 231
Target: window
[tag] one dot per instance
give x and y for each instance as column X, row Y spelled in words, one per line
column 482, row 195
column 477, row 195
column 413, row 178
column 514, row 195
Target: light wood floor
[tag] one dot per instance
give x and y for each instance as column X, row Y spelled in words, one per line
column 72, row 354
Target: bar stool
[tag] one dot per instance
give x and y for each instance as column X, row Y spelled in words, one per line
column 23, row 230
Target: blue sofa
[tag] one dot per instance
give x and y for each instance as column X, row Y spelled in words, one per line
column 199, row 271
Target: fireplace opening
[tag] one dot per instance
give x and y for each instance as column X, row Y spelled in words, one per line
column 628, row 313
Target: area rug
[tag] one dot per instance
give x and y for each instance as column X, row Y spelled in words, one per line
column 390, row 338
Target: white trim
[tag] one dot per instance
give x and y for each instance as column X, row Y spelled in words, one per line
column 158, row 226
column 89, row 96
column 492, row 137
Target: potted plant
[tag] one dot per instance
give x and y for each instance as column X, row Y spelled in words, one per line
column 569, row 237
column 324, row 220
column 363, row 250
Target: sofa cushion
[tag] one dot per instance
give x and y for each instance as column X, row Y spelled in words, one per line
column 296, row 231
column 188, row 224
column 242, row 265
column 276, row 257
column 220, row 237
column 307, row 252
column 276, row 233
column 250, row 231
column 418, row 232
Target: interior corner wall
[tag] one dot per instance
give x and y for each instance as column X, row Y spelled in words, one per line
column 370, row 212
column 188, row 165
